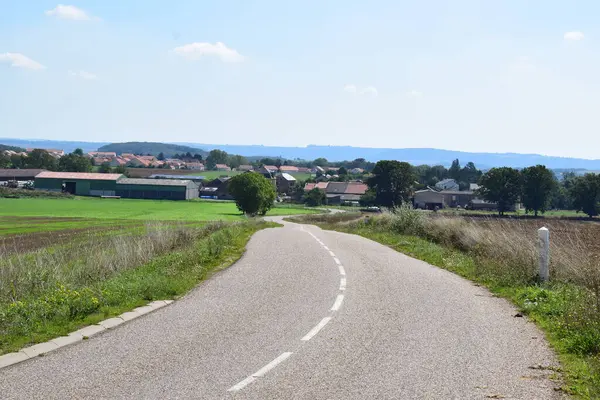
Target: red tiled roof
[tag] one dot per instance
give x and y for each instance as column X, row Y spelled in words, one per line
column 102, row 154
column 320, row 185
column 356, row 188
column 288, row 168
column 221, row 166
column 78, row 175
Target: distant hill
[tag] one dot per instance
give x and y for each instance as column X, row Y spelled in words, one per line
column 414, row 156
column 11, row 148
column 65, row 145
column 332, row 153
column 152, row 148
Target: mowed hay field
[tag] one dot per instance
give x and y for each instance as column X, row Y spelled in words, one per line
column 124, row 209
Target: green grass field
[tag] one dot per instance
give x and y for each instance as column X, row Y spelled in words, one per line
column 132, row 209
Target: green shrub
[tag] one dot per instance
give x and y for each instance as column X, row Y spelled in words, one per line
column 9, row 193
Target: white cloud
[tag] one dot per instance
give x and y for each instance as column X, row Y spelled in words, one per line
column 369, row 91
column 350, row 88
column 366, row 91
column 69, row 12
column 415, row 93
column 84, row 75
column 21, row 61
column 194, row 51
column 575, row 35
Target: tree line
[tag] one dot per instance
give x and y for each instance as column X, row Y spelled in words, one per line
column 41, row 159
column 393, row 183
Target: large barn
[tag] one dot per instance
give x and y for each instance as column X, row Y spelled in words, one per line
column 78, row 183
column 157, row 189
column 18, row 174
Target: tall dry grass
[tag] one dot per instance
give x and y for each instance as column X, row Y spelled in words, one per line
column 509, row 246
column 91, row 258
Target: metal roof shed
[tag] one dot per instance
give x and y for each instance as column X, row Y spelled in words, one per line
column 157, row 189
column 18, row 174
column 79, row 183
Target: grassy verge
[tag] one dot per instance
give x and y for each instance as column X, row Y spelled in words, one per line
column 567, row 309
column 59, row 300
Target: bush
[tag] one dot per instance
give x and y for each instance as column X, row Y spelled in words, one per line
column 253, row 193
column 23, row 193
column 316, row 197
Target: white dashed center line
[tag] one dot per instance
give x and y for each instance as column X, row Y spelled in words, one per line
column 316, row 329
column 260, row 373
column 336, row 306
column 338, row 302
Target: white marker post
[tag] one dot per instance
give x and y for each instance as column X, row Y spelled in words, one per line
column 544, row 246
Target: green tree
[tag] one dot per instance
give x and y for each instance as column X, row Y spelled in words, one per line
column 161, row 156
column 78, row 152
column 469, row 173
column 267, row 161
column 74, row 163
column 501, row 186
column 586, row 194
column 298, row 192
column 198, row 157
column 235, row 160
column 368, row 199
column 392, row 182
column 40, row 159
column 342, row 171
column 18, row 161
column 216, row 157
column 315, row 197
column 253, row 193
column 454, row 170
column 538, row 185
column 121, row 169
column 321, row 162
column 105, row 168
column 4, row 160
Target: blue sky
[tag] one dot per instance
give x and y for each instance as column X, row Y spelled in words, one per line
column 505, row 76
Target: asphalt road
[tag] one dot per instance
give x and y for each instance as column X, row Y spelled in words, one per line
column 293, row 320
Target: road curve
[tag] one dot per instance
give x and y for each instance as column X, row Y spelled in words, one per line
column 307, row 314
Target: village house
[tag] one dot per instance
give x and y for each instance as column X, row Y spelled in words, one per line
column 56, row 153
column 340, row 192
column 290, row 169
column 271, row 168
column 217, row 189
column 196, row 166
column 137, row 162
column 102, row 154
column 245, row 168
column 222, row 167
column 430, row 199
column 447, row 184
column 285, row 183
